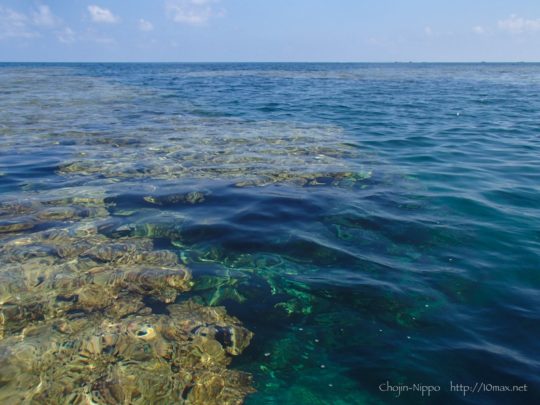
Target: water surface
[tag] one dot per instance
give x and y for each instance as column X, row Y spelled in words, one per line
column 368, row 223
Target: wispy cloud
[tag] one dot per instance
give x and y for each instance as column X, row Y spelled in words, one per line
column 43, row 17
column 145, row 25
column 41, row 20
column 66, row 36
column 519, row 25
column 14, row 25
column 434, row 33
column 193, row 12
column 478, row 29
column 102, row 15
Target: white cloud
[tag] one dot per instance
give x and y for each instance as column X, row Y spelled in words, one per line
column 43, row 17
column 14, row 24
column 193, row 12
column 479, row 30
column 519, row 25
column 435, row 33
column 145, row 25
column 101, row 15
column 39, row 21
column 66, row 36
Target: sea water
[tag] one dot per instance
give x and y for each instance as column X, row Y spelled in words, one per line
column 376, row 226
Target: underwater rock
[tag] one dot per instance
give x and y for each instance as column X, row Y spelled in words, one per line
column 15, row 316
column 239, row 171
column 194, row 197
column 171, row 230
column 57, row 213
column 65, row 213
column 74, row 199
column 127, row 304
column 162, row 284
column 208, row 322
column 137, row 359
column 19, row 207
column 17, row 224
column 62, row 244
column 26, row 214
column 76, row 314
column 65, row 272
column 117, row 290
column 118, row 251
column 79, row 196
column 244, row 154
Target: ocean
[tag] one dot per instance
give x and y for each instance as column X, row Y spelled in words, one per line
column 375, row 226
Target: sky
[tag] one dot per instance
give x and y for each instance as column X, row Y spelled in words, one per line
column 268, row 31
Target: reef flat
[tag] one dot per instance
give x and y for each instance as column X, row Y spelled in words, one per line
column 75, row 326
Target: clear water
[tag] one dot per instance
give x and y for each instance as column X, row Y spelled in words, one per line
column 368, row 223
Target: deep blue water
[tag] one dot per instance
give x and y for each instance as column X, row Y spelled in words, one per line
column 368, row 222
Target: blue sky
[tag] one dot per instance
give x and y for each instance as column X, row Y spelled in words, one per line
column 263, row 30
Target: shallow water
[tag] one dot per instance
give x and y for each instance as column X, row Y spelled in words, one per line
column 368, row 223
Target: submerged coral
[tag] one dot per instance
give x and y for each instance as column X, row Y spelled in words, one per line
column 76, row 315
column 138, row 359
column 248, row 155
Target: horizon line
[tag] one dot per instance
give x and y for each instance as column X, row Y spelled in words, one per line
column 284, row 62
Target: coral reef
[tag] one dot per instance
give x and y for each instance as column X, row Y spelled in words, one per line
column 77, row 323
column 270, row 153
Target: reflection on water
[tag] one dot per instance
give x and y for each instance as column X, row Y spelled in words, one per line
column 285, row 234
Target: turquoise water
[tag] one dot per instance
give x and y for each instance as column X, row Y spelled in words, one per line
column 369, row 223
